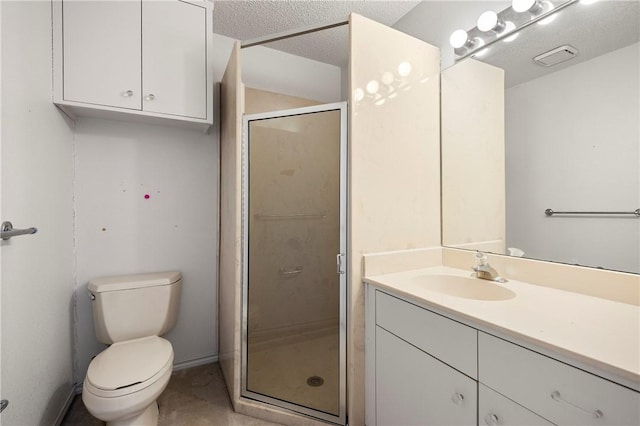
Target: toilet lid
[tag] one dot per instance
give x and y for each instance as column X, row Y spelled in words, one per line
column 128, row 363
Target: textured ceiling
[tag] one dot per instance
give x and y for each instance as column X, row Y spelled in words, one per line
column 594, row 29
column 248, row 19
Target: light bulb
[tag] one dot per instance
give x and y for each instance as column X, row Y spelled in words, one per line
column 404, row 69
column 373, row 86
column 525, row 5
column 489, row 21
column 458, row 39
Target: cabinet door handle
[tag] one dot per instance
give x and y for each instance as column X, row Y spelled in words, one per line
column 491, row 419
column 149, row 97
column 555, row 395
column 127, row 94
column 457, row 398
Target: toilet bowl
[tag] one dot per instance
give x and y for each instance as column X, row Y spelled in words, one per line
column 124, row 381
column 130, row 312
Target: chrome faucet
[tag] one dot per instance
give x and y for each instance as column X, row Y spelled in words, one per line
column 483, row 270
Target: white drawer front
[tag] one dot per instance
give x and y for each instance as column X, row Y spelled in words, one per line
column 495, row 409
column 449, row 341
column 560, row 393
column 415, row 389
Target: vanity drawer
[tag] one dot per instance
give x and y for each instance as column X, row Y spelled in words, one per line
column 495, row 409
column 563, row 394
column 449, row 341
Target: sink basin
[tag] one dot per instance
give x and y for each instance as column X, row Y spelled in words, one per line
column 464, row 287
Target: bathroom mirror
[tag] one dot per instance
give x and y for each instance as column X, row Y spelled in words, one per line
column 519, row 138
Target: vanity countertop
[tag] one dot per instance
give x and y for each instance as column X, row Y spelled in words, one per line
column 599, row 333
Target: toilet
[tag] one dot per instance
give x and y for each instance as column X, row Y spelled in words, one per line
column 130, row 313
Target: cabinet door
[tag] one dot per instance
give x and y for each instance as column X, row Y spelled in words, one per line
column 101, row 43
column 413, row 388
column 495, row 409
column 559, row 392
column 174, row 58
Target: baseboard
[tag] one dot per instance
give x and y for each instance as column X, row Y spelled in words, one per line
column 208, row 359
column 67, row 404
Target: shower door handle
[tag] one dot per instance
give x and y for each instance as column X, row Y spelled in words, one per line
column 339, row 259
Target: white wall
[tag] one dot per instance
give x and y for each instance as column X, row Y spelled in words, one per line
column 37, row 190
column 119, row 231
column 572, row 145
column 275, row 71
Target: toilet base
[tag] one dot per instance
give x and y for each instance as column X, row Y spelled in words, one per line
column 148, row 417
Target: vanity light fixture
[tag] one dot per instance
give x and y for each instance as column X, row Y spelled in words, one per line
column 489, row 21
column 548, row 7
column 460, row 39
column 509, row 27
column 504, row 25
column 531, row 6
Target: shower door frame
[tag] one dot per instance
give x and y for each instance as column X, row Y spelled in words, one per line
column 341, row 262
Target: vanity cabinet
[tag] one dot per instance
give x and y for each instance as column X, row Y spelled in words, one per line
column 561, row 393
column 137, row 58
column 495, row 409
column 424, row 368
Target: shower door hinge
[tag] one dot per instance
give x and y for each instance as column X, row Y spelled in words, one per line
column 339, row 262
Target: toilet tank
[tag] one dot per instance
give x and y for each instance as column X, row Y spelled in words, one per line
column 132, row 306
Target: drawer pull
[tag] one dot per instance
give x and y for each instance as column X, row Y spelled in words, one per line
column 555, row 395
column 457, row 398
column 491, row 419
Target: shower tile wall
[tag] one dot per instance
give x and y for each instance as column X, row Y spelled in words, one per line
column 394, row 162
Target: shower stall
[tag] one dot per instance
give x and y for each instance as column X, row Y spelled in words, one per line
column 294, row 265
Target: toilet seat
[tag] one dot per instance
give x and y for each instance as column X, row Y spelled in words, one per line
column 130, row 366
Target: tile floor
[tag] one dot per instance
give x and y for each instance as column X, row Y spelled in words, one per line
column 195, row 396
column 282, row 370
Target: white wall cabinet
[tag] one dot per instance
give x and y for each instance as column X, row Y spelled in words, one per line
column 421, row 370
column 137, row 60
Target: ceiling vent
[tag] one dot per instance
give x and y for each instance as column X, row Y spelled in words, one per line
column 556, row 56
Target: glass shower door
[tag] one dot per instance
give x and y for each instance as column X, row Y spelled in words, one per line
column 294, row 283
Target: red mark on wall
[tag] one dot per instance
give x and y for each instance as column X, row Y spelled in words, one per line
column 147, row 196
